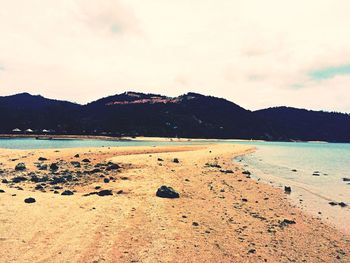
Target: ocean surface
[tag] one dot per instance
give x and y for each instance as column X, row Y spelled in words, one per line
column 315, row 171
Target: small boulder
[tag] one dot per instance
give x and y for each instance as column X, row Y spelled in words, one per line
column 86, row 161
column 29, row 200
column 20, row 167
column 112, row 166
column 54, row 167
column 77, row 156
column 287, row 189
column 342, row 204
column 176, row 160
column 2, row 191
column 106, row 180
column 167, row 192
column 42, row 159
column 67, row 192
column 105, row 192
column 75, row 164
column 19, row 179
column 346, row 179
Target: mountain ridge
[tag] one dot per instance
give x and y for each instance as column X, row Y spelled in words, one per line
column 188, row 115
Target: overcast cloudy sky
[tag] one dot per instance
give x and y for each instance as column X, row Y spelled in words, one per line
column 255, row 53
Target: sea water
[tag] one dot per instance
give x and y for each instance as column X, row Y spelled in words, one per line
column 315, row 171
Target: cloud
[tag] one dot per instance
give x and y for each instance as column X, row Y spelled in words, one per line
column 255, row 53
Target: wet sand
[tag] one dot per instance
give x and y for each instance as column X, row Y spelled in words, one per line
column 221, row 216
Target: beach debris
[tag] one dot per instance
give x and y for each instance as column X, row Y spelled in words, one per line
column 54, row 167
column 29, row 200
column 42, row 159
column 287, row 189
column 167, row 192
column 20, row 167
column 287, row 222
column 2, row 191
column 19, row 179
column 86, row 161
column 67, row 192
column 176, row 160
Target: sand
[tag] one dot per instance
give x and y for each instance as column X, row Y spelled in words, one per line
column 219, row 217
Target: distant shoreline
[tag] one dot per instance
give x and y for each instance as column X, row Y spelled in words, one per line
column 128, row 138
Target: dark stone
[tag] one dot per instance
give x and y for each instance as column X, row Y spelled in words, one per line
column 213, row 165
column 53, row 167
column 18, row 179
column 20, row 167
column 42, row 159
column 29, row 200
column 160, row 160
column 4, row 181
column 246, row 172
column 77, row 156
column 332, row 203
column 39, row 187
column 124, row 178
column 167, row 192
column 287, row 222
column 120, row 192
column 112, row 166
column 226, row 171
column 195, row 224
column 67, row 192
column 42, row 167
column 106, row 180
column 176, row 160
column 2, row 191
column 346, row 179
column 58, row 180
column 342, row 204
column 86, row 161
column 294, row 170
column 105, row 192
column 97, row 187
column 252, row 251
column 287, row 189
column 244, row 200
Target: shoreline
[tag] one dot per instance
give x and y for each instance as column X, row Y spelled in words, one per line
column 249, row 221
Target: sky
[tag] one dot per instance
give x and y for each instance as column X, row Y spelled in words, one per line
column 255, row 53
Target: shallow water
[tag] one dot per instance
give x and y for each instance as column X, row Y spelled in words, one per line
column 274, row 162
column 32, row 143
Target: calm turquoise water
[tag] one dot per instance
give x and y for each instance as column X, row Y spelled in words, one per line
column 30, row 143
column 273, row 163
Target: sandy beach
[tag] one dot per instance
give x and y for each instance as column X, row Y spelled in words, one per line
column 222, row 214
